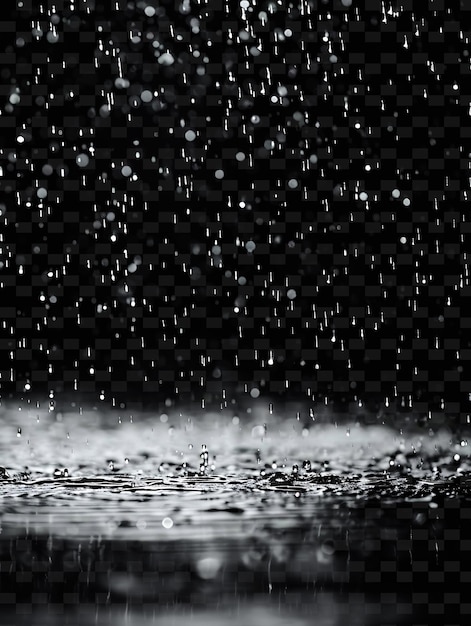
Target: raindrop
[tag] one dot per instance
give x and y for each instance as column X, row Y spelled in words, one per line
column 166, row 59
column 82, row 160
column 146, row 96
column 47, row 169
column 52, row 37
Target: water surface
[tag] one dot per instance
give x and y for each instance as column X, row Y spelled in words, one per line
column 175, row 517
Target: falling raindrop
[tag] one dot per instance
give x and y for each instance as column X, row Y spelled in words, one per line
column 82, row 160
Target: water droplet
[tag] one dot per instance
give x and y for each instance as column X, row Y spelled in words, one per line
column 166, row 59
column 82, row 160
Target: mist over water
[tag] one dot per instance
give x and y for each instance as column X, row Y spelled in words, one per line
column 234, row 348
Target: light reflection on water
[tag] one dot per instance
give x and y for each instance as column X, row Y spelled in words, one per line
column 239, row 523
column 295, row 609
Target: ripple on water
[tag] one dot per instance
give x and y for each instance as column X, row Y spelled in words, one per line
column 88, row 474
column 193, row 514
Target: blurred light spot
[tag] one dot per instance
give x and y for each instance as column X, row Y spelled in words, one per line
column 82, row 160
column 208, row 567
column 146, row 96
column 166, row 59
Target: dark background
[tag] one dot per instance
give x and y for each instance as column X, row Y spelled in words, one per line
column 180, row 327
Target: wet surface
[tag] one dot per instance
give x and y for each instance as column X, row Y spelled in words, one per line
column 229, row 521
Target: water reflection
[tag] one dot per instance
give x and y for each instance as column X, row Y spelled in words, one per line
column 327, row 608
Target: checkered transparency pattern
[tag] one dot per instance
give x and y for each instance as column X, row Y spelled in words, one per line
column 209, row 204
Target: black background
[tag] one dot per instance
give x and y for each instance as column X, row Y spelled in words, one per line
column 172, row 351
